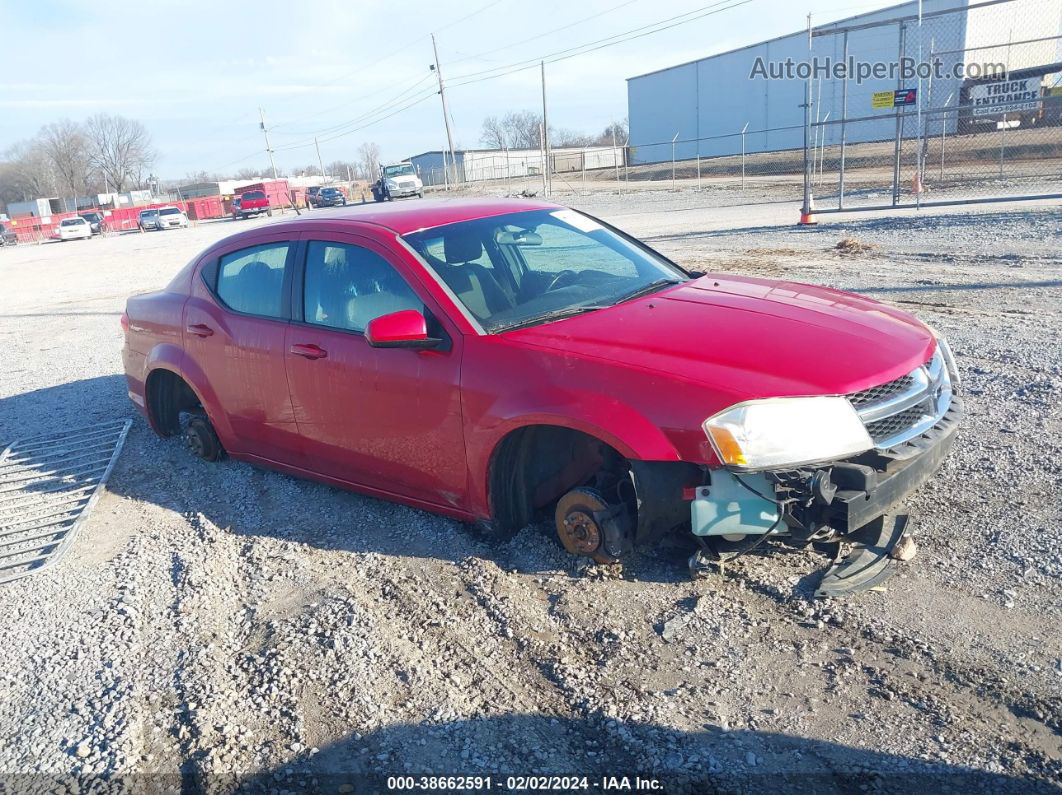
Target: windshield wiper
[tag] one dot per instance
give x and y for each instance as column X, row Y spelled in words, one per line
column 645, row 289
column 556, row 314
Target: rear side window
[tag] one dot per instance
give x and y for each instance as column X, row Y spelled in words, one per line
column 347, row 286
column 251, row 280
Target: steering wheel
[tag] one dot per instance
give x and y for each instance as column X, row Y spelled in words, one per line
column 567, row 273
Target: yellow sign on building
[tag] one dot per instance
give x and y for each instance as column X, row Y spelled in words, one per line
column 882, row 99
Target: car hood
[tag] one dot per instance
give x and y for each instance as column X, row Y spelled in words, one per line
column 753, row 337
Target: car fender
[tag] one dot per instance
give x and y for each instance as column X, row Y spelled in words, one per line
column 168, row 356
column 600, row 415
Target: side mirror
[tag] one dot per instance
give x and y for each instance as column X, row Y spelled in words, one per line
column 405, row 329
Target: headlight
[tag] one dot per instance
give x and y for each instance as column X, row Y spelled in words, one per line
column 786, row 432
column 949, row 357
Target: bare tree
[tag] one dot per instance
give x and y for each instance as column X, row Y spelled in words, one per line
column 494, row 134
column 564, row 137
column 26, row 173
column 618, row 129
column 514, row 130
column 341, row 169
column 67, row 148
column 119, row 148
column 369, row 159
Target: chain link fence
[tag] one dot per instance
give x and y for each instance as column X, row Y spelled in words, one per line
column 976, row 116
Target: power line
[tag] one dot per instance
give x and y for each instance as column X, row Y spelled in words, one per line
column 393, row 99
column 378, row 61
column 344, row 128
column 608, row 41
column 546, row 33
column 494, row 73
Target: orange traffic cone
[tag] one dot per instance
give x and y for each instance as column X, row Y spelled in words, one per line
column 807, row 214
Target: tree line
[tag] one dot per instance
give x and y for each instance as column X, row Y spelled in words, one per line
column 103, row 154
column 521, row 129
column 364, row 166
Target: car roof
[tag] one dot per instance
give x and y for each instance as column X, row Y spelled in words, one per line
column 412, row 216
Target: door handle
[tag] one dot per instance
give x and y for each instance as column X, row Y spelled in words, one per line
column 199, row 329
column 309, row 351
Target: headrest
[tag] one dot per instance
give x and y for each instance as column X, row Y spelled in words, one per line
column 461, row 247
column 254, row 269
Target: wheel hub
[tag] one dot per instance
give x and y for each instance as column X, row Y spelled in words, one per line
column 194, row 441
column 578, row 526
column 580, row 533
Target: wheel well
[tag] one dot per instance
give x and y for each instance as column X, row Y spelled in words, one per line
column 533, row 466
column 168, row 395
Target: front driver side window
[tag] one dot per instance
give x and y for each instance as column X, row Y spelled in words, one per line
column 347, row 286
column 251, row 280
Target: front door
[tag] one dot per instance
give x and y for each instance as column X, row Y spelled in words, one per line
column 387, row 418
column 235, row 323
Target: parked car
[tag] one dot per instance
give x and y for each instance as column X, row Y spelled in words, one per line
column 311, row 195
column 73, row 229
column 330, row 197
column 253, row 202
column 7, row 236
column 397, row 181
column 512, row 361
column 172, row 218
column 148, row 220
column 97, row 222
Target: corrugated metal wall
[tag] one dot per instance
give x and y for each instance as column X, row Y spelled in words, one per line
column 707, row 103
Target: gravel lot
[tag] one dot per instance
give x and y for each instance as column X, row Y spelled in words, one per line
column 233, row 625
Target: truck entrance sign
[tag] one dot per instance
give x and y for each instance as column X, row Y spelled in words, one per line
column 1006, row 96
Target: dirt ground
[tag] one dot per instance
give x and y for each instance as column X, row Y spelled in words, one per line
column 239, row 627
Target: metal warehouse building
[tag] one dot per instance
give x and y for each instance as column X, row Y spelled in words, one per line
column 703, row 105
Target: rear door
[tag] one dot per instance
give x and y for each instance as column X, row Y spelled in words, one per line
column 234, row 332
column 387, row 418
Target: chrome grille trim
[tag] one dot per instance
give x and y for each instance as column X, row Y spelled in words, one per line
column 906, row 408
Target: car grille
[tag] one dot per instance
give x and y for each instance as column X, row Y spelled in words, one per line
column 898, row 411
column 879, row 393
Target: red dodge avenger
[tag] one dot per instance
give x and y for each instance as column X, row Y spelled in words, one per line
column 501, row 361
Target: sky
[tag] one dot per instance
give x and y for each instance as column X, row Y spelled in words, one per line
column 195, row 73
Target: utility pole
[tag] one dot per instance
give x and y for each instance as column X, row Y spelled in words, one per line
column 446, row 113
column 545, row 134
column 320, row 162
column 265, row 132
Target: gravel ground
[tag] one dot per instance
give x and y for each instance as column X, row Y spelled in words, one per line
column 228, row 624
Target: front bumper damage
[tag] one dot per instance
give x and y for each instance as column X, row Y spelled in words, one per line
column 849, row 502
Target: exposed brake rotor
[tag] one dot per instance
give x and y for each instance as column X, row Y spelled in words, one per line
column 578, row 524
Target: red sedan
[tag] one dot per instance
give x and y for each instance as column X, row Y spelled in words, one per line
column 500, row 361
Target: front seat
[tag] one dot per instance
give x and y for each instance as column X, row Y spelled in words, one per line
column 474, row 284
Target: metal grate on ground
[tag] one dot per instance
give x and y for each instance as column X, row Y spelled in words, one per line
column 48, row 484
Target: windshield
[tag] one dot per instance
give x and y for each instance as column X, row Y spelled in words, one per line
column 169, row 211
column 525, row 268
column 148, row 213
column 404, row 170
column 254, row 194
column 73, row 222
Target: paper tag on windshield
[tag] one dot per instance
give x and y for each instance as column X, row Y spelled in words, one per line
column 578, row 220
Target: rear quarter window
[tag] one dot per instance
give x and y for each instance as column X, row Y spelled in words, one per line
column 251, row 280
